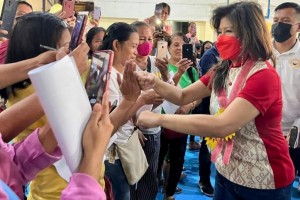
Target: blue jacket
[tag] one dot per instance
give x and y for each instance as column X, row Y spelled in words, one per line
column 208, row 59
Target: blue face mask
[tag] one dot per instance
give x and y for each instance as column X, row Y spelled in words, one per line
column 281, row 31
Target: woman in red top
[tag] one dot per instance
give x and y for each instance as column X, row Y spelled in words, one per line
column 244, row 130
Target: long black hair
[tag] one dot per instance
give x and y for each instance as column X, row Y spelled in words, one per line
column 203, row 46
column 117, row 31
column 32, row 30
column 90, row 36
column 250, row 27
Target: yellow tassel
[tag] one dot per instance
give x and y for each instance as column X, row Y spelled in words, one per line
column 212, row 142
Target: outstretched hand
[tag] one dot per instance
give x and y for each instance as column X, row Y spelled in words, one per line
column 151, row 97
column 148, row 119
column 129, row 86
column 146, row 80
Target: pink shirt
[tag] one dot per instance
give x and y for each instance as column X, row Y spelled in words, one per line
column 22, row 161
column 3, row 51
column 83, row 186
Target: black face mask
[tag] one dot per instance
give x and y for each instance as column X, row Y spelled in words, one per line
column 281, row 32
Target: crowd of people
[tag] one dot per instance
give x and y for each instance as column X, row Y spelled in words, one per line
column 238, row 93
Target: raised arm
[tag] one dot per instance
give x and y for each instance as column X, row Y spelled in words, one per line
column 16, row 118
column 14, row 72
column 255, row 98
column 33, row 154
column 172, row 93
column 228, row 122
column 130, row 90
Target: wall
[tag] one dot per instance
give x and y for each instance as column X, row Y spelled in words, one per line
column 181, row 10
column 105, row 22
column 36, row 4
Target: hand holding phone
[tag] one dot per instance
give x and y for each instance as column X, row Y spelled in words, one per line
column 8, row 16
column 98, row 79
column 162, row 49
column 97, row 13
column 187, row 51
column 69, row 8
column 77, row 33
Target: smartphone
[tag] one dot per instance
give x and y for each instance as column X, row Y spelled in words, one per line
column 8, row 14
column 97, row 13
column 77, row 33
column 294, row 137
column 162, row 49
column 84, row 6
column 98, row 78
column 158, row 14
column 187, row 51
column 68, row 7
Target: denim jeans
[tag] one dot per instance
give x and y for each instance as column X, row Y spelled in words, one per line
column 225, row 189
column 116, row 175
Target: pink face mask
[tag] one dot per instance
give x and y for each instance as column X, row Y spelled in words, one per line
column 144, row 49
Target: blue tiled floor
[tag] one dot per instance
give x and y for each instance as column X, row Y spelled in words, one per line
column 190, row 190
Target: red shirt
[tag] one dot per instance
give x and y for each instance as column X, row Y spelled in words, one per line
column 260, row 144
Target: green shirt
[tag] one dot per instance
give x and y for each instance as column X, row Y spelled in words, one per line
column 185, row 79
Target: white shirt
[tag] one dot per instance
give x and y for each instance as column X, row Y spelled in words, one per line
column 125, row 131
column 154, row 70
column 288, row 68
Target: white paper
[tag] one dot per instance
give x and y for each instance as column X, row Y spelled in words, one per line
column 63, row 169
column 170, row 108
column 64, row 100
